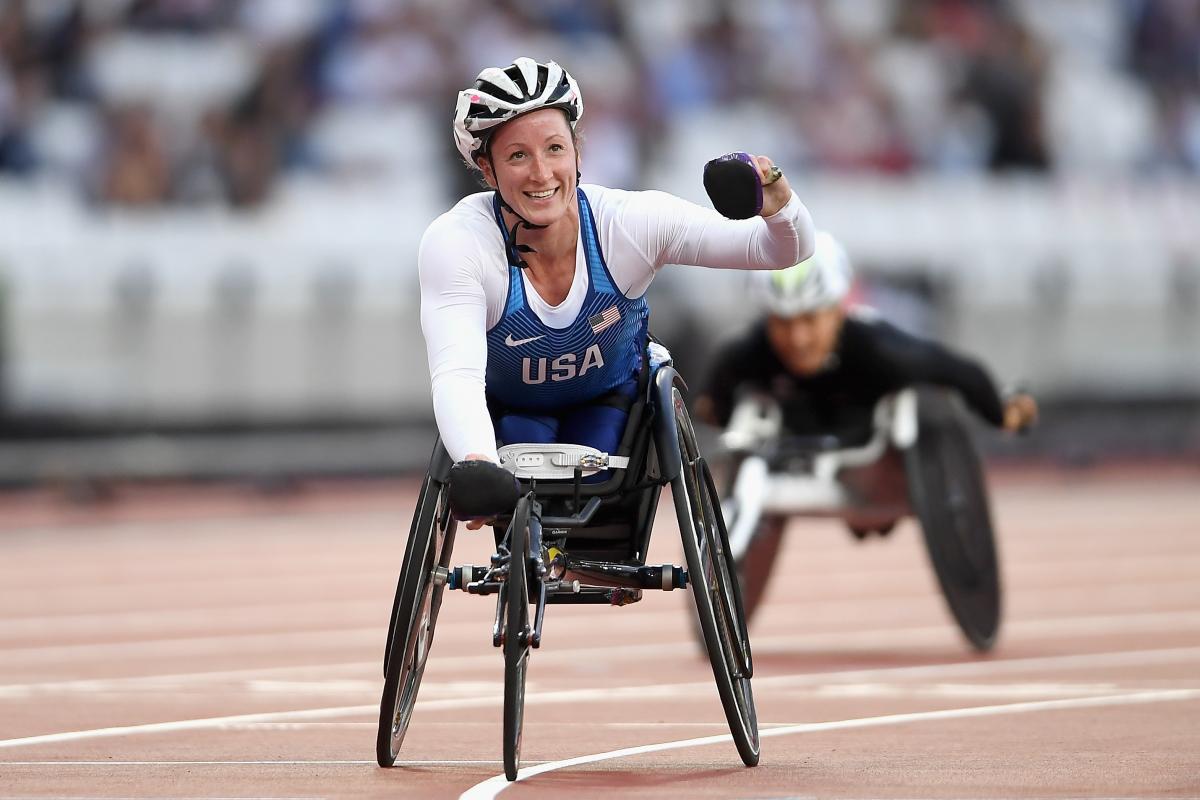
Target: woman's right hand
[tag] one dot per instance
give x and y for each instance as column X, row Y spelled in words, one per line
column 476, row 524
column 776, row 189
column 480, row 489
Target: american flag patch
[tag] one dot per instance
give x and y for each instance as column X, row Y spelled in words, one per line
column 604, row 319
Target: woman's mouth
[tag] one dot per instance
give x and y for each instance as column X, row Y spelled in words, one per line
column 541, row 195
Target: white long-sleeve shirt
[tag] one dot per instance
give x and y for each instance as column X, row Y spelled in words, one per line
column 464, row 274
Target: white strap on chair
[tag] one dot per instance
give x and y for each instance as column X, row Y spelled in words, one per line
column 556, row 461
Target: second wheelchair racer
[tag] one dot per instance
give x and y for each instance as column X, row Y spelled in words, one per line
column 827, row 366
column 533, row 294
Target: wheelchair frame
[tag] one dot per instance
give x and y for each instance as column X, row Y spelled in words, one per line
column 574, row 542
column 919, row 461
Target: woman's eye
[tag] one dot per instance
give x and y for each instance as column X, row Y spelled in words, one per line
column 516, row 155
column 557, row 148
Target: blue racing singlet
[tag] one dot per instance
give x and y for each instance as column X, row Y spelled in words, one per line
column 533, row 366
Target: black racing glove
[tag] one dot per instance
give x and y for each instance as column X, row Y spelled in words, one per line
column 481, row 490
column 734, row 186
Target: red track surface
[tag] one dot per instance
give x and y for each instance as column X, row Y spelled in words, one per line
column 212, row 643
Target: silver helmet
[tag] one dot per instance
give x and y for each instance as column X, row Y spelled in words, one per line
column 820, row 281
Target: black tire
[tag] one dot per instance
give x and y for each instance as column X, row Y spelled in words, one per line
column 756, row 564
column 517, row 631
column 421, row 515
column 414, row 617
column 715, row 587
column 732, row 606
column 949, row 495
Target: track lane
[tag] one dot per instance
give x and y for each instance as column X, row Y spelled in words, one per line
column 847, row 639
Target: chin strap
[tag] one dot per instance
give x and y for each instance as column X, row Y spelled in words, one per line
column 510, row 242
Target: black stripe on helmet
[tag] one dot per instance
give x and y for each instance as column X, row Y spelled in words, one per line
column 559, row 92
column 481, row 111
column 489, row 88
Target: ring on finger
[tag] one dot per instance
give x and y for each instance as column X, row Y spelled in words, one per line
column 773, row 174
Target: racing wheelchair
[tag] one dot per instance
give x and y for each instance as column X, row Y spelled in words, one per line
column 918, row 459
column 570, row 541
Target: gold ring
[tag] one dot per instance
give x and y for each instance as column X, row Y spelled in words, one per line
column 775, row 174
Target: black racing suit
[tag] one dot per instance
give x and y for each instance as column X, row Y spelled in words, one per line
column 872, row 358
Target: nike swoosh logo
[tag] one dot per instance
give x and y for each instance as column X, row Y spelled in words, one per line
column 511, row 342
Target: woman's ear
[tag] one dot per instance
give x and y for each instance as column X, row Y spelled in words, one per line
column 489, row 175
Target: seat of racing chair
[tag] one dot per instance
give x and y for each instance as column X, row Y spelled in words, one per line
column 619, row 529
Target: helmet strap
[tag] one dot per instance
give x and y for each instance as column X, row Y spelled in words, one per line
column 510, row 242
column 514, row 249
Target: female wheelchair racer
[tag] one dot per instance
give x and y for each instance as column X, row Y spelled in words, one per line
column 842, row 415
column 543, row 343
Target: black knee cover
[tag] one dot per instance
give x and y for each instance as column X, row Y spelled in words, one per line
column 481, row 489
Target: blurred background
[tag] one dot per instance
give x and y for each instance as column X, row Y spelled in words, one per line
column 210, row 210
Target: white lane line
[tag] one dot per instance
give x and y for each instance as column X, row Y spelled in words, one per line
column 1053, row 627
column 246, row 615
column 261, row 642
column 666, row 691
column 999, row 691
column 250, row 613
column 294, row 726
column 656, row 691
column 976, row 691
column 489, row 789
column 313, row 763
column 177, row 679
column 186, row 724
column 286, row 524
column 1050, row 627
column 1119, row 658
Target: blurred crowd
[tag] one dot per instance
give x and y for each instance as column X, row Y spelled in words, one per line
column 146, row 103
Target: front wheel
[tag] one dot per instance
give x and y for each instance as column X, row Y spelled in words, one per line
column 517, row 633
column 756, row 564
column 414, row 615
column 949, row 495
column 715, row 587
column 754, row 536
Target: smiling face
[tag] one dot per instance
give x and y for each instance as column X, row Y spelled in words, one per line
column 805, row 342
column 533, row 161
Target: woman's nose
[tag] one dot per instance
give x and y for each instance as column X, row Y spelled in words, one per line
column 801, row 337
column 540, row 169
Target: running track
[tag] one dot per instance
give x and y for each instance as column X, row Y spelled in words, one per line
column 210, row 642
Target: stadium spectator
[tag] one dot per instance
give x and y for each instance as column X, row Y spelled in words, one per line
column 923, row 85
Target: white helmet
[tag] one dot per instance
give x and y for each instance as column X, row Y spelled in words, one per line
column 820, row 281
column 502, row 94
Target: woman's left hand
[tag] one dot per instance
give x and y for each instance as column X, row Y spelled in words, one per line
column 776, row 190
column 1020, row 412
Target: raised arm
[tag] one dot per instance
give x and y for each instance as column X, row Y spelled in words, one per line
column 671, row 230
